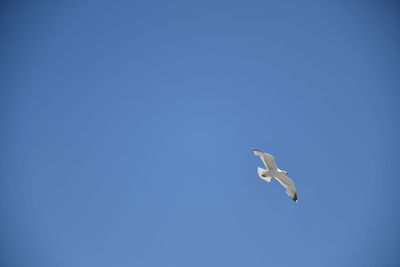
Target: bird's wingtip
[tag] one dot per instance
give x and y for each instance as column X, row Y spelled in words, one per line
column 295, row 198
column 255, row 150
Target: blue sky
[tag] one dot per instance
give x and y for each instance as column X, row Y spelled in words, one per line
column 127, row 128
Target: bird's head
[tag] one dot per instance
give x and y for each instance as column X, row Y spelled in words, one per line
column 285, row 172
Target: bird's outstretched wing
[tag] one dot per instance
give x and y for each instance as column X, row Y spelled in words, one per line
column 289, row 185
column 269, row 160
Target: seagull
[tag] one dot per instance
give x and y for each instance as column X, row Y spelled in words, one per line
column 274, row 172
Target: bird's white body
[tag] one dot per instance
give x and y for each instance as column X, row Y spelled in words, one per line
column 274, row 172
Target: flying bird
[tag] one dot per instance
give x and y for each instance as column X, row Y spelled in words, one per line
column 274, row 172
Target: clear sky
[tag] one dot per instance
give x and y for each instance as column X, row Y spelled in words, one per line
column 126, row 129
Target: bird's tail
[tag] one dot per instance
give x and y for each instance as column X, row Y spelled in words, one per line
column 262, row 172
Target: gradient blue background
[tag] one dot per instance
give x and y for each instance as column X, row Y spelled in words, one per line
column 126, row 129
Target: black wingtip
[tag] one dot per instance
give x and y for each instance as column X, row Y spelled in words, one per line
column 295, row 197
